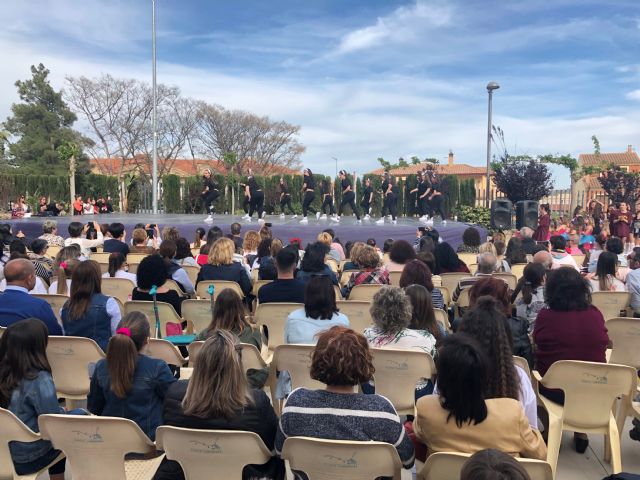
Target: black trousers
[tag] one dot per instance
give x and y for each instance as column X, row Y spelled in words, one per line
column 256, row 203
column 349, row 198
column 390, row 204
column 309, row 195
column 423, row 205
column 437, row 206
column 245, row 204
column 328, row 202
column 366, row 205
column 285, row 201
column 208, row 199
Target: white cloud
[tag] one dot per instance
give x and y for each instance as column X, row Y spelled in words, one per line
column 634, row 95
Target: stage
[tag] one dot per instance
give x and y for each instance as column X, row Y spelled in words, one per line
column 347, row 229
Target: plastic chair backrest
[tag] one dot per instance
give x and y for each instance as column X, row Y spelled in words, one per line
column 136, row 258
column 624, row 333
column 332, row 265
column 52, row 251
column 357, row 312
column 296, row 359
column 517, row 269
column 69, row 358
column 579, row 259
column 450, row 280
column 463, row 298
column 274, row 317
column 166, row 312
column 345, row 276
column 397, row 372
column 346, row 460
column 95, row 446
column 120, row 288
column 12, row 429
column 198, row 312
column 468, row 258
column 509, row 278
column 394, row 278
column 446, row 295
column 202, row 290
column 56, row 302
column 523, row 364
column 164, row 350
column 442, row 465
column 173, row 285
column 364, row 292
column 610, row 303
column 193, row 348
column 100, row 257
column 133, row 266
column 251, row 357
column 195, row 450
column 590, row 389
column 442, row 318
column 2, row 329
column 259, row 284
column 192, row 272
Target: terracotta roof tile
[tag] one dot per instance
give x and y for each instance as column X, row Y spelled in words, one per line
column 444, row 169
column 623, row 158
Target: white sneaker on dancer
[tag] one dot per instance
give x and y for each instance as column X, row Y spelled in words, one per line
column 394, row 221
column 358, row 221
column 282, row 215
column 444, row 222
column 246, row 217
column 367, row 217
column 209, row 219
column 324, row 216
column 381, row 221
column 304, row 220
column 317, row 215
column 264, row 214
column 260, row 221
column 335, row 218
column 294, row 216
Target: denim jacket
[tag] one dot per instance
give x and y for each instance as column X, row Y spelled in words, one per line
column 143, row 404
column 29, row 400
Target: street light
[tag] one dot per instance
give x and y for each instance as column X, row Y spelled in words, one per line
column 491, row 86
column 334, row 182
column 154, row 116
column 334, row 158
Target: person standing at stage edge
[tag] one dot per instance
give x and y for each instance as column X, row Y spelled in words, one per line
column 210, row 193
column 308, row 188
column 367, row 198
column 256, row 197
column 541, row 235
column 348, row 196
column 389, row 199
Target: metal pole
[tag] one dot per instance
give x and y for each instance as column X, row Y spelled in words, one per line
column 488, row 186
column 154, row 116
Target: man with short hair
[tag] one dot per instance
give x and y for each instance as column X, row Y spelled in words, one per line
column 559, row 255
column 50, row 234
column 235, row 234
column 486, row 266
column 633, row 280
column 544, row 258
column 16, row 304
column 117, row 242
column 528, row 243
column 286, row 288
column 78, row 233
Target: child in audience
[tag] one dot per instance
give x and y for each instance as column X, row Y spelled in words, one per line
column 587, row 239
column 573, row 248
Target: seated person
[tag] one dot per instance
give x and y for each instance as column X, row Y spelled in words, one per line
column 118, row 268
column 486, row 266
column 372, row 271
column 313, row 263
column 221, row 266
column 285, row 288
column 178, row 274
column 342, row 360
column 152, row 273
column 493, row 464
column 461, row 419
column 118, row 240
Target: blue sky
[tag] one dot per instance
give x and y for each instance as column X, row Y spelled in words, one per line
column 364, row 78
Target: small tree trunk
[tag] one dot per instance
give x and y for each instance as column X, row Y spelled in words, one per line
column 72, row 179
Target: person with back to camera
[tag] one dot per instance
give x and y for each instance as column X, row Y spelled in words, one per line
column 313, row 263
column 285, row 199
column 118, row 240
column 327, row 200
column 152, row 273
column 492, row 464
column 210, row 193
column 285, row 288
column 128, row 383
column 199, row 237
column 118, row 268
column 178, row 274
column 559, row 253
column 256, row 197
column 400, row 253
column 529, row 304
column 348, row 196
column 447, row 261
column 218, row 397
column 77, row 234
column 372, row 272
column 50, row 234
column 221, row 266
column 308, row 187
column 183, row 256
column 605, row 279
column 460, row 418
column 389, row 199
column 367, row 198
column 422, row 313
column 416, row 272
column 470, row 241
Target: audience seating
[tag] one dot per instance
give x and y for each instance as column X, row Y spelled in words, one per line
column 518, row 269
column 120, row 288
column 202, row 290
column 196, row 251
column 590, row 391
column 198, row 312
column 13, row 430
column 345, row 276
column 442, row 318
column 101, row 257
column 611, row 303
column 450, row 280
column 173, row 285
column 135, row 258
column 53, row 251
column 133, row 266
column 274, row 317
column 446, row 295
column 257, row 285
column 579, row 259
column 396, row 375
column 166, row 314
column 346, row 460
column 70, row 358
column 509, row 278
column 523, row 364
column 468, row 258
column 95, row 447
column 195, row 450
column 332, row 265
column 193, row 348
column 56, row 302
column 164, row 350
column 357, row 312
column 443, row 465
column 364, row 292
column 192, row 273
column 463, row 301
column 394, row 278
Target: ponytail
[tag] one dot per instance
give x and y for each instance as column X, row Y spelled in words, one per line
column 116, row 260
column 122, row 351
column 532, row 278
column 65, row 272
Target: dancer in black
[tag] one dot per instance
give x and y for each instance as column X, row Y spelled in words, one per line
column 327, row 199
column 245, row 200
column 436, row 200
column 389, row 202
column 209, row 194
column 348, row 195
column 367, row 198
column 422, row 190
column 256, row 197
column 308, row 188
column 285, row 198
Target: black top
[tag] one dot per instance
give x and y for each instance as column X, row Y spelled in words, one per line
column 253, row 185
column 171, row 297
column 210, row 184
column 436, row 187
column 112, row 245
column 233, row 272
column 423, row 186
column 345, row 183
column 325, row 189
column 310, row 182
column 284, row 189
column 367, row 192
column 291, row 291
column 258, row 417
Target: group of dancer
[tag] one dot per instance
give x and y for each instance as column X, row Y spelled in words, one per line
column 429, row 197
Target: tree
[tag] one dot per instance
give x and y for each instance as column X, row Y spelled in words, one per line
column 39, row 125
column 620, row 186
column 520, row 177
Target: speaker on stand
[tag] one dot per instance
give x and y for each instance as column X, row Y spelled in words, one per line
column 527, row 214
column 501, row 213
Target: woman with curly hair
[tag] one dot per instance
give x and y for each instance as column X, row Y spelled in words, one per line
column 488, row 325
column 250, row 246
column 470, row 241
column 417, row 272
column 400, row 253
column 515, row 253
column 371, row 272
column 447, row 261
column 354, row 252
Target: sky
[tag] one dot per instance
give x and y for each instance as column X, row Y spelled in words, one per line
column 364, row 78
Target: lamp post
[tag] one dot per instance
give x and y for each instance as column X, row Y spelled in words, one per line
column 491, row 86
column 154, row 116
column 334, row 182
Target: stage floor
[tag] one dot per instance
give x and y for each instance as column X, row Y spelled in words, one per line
column 347, row 229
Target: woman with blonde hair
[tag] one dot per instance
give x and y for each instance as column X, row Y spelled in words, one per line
column 218, row 397
column 250, row 246
column 371, row 271
column 352, row 262
column 139, row 238
column 220, row 265
column 326, row 239
column 65, row 264
column 127, row 383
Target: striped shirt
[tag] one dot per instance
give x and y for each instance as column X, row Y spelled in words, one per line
column 343, row 416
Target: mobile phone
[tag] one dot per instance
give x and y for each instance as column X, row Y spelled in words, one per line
column 150, row 232
column 152, row 225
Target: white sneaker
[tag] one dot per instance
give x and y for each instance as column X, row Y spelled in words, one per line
column 394, row 221
column 295, row 216
column 381, row 221
column 358, row 221
column 260, row 221
column 367, row 217
column 209, row 219
column 444, row 222
column 335, row 218
column 264, row 214
column 323, row 217
column 317, row 215
column 246, row 217
column 282, row 215
column 304, row 220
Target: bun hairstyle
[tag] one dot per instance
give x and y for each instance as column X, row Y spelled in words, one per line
column 342, row 172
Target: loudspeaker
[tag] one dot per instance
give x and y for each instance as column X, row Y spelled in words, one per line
column 501, row 211
column 526, row 214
